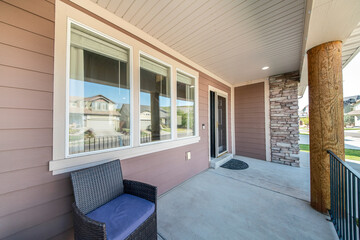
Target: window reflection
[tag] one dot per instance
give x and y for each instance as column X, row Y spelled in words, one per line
column 99, row 93
column 155, row 102
column 185, row 104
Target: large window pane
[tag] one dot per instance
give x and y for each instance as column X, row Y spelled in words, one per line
column 99, row 93
column 185, row 104
column 155, row 102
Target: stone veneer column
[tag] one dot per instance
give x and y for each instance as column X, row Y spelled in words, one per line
column 284, row 118
column 326, row 118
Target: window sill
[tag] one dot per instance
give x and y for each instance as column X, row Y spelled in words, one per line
column 71, row 164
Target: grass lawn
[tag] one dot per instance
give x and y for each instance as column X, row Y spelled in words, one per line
column 76, row 137
column 304, row 133
column 351, row 128
column 351, row 154
column 304, row 147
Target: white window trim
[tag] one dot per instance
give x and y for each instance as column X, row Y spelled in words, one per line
column 196, row 103
column 61, row 164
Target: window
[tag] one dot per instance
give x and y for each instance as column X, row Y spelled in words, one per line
column 185, row 103
column 155, row 101
column 99, row 93
column 93, row 114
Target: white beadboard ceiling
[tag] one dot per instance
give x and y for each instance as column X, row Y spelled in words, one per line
column 233, row 39
column 351, row 46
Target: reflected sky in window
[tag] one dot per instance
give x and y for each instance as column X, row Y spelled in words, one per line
column 118, row 95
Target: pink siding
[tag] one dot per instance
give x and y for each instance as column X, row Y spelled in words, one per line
column 250, row 121
column 33, row 202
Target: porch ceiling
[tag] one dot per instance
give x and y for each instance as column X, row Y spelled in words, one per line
column 232, row 39
column 351, row 46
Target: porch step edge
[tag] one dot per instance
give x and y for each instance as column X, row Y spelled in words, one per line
column 217, row 162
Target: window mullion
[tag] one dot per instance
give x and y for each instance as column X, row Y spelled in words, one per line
column 173, row 104
column 135, row 130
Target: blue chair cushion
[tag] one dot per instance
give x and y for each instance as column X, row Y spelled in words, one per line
column 122, row 215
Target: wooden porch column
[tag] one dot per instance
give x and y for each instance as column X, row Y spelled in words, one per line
column 326, row 118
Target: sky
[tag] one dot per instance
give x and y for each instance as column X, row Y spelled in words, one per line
column 115, row 94
column 351, row 81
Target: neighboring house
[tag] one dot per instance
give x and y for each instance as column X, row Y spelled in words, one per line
column 145, row 115
column 304, row 112
column 356, row 113
column 351, row 100
column 125, row 115
column 96, row 113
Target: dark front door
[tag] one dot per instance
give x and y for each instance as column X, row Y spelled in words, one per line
column 221, row 124
column 218, row 134
column 212, row 125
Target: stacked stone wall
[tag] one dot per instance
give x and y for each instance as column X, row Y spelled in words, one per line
column 284, row 118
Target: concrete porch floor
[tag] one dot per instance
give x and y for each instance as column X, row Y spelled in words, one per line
column 265, row 201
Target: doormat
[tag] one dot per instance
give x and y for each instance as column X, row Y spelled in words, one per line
column 235, row 164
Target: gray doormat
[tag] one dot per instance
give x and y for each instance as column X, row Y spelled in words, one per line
column 235, row 164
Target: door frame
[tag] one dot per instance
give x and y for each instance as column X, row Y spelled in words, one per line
column 225, row 95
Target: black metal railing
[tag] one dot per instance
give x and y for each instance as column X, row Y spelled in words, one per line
column 145, row 137
column 344, row 191
column 103, row 142
column 98, row 143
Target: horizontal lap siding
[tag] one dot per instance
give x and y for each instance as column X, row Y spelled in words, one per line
column 250, row 121
column 34, row 203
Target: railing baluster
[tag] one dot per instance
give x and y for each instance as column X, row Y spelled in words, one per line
column 331, row 188
column 353, row 212
column 339, row 197
column 341, row 201
column 346, row 222
column 358, row 203
column 336, row 197
column 350, row 205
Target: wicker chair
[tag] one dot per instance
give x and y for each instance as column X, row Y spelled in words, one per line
column 96, row 187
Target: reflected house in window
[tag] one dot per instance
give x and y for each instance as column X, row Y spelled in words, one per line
column 98, row 85
column 155, row 101
column 96, row 115
column 145, row 120
column 145, row 117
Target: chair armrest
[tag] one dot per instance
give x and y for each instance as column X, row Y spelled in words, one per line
column 87, row 228
column 142, row 190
